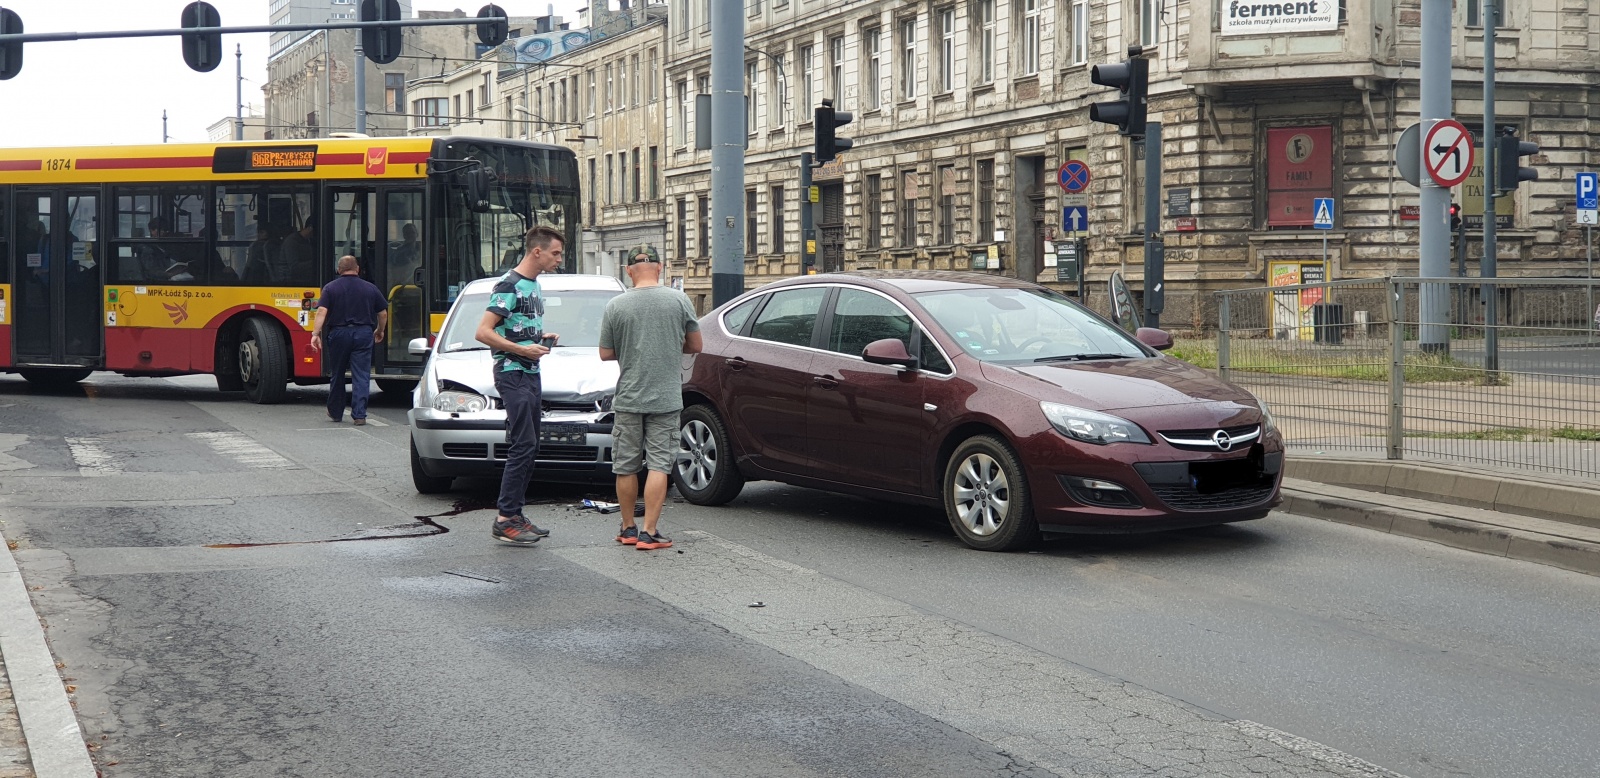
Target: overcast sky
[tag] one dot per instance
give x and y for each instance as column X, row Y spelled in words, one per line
column 113, row 91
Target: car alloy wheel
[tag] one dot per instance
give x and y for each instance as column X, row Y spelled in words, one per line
column 982, row 494
column 705, row 473
column 697, row 455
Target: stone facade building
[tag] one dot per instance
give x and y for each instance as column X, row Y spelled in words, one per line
column 965, row 110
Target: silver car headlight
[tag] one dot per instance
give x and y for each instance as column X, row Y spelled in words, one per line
column 1092, row 426
column 459, row 402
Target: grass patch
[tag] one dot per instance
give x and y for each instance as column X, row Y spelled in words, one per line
column 1514, row 434
column 1340, row 364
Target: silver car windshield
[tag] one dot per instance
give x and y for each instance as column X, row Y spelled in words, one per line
column 574, row 315
column 1016, row 326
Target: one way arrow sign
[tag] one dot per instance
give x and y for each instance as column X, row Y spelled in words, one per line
column 1075, row 218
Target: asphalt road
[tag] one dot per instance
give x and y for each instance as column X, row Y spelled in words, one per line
column 883, row 647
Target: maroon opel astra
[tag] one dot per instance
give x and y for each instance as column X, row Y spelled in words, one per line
column 1018, row 411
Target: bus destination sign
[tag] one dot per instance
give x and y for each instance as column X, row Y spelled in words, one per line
column 264, row 159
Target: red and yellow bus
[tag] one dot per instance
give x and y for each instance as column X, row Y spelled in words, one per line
column 208, row 258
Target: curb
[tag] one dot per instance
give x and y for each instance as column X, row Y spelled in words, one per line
column 49, row 724
column 1539, row 541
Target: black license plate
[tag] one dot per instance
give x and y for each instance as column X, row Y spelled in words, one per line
column 563, row 433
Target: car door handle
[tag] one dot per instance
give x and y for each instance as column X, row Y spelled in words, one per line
column 734, row 363
column 826, row 382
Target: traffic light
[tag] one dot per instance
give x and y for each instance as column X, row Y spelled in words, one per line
column 201, row 50
column 10, row 53
column 492, row 33
column 1509, row 173
column 381, row 44
column 1132, row 77
column 826, row 122
column 1455, row 216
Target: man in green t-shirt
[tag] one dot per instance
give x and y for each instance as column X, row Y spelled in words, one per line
column 513, row 329
column 647, row 330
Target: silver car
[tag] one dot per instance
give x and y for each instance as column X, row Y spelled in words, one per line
column 458, row 426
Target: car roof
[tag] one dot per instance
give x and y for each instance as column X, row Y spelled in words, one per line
column 913, row 281
column 556, row 282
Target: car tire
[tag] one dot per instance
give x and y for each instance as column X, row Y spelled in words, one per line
column 986, row 496
column 705, row 473
column 395, row 386
column 263, row 362
column 54, row 378
column 427, row 484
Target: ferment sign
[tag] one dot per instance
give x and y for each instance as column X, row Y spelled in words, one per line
column 1247, row 17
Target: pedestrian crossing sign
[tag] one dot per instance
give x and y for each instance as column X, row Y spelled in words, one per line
column 1322, row 213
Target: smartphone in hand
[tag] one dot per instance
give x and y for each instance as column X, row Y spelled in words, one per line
column 548, row 341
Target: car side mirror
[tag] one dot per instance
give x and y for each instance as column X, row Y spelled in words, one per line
column 889, row 351
column 417, row 347
column 1160, row 340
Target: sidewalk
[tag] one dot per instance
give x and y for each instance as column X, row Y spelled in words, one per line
column 14, row 762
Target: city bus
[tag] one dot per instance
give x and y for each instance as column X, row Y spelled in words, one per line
column 184, row 259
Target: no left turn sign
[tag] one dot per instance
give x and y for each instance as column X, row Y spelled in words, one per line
column 1447, row 153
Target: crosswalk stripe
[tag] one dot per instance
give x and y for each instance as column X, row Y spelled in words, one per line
column 242, row 449
column 92, row 460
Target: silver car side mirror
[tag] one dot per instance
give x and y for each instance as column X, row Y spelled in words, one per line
column 417, row 347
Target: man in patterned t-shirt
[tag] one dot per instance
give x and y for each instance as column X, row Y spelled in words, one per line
column 513, row 329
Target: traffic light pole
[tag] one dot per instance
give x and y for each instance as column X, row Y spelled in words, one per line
column 1434, row 200
column 808, row 239
column 1155, row 257
column 361, row 91
column 1487, row 267
column 727, row 150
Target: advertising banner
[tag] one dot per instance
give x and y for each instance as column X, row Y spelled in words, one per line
column 1244, row 17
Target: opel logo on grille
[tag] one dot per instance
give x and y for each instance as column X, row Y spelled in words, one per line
column 1221, row 438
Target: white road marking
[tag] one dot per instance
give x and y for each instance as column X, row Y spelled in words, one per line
column 242, row 449
column 92, row 459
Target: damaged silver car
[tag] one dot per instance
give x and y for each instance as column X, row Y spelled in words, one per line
column 458, row 427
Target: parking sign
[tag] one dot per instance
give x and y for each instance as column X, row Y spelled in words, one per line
column 1588, row 186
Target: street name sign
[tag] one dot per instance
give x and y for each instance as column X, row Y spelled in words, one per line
column 1447, row 153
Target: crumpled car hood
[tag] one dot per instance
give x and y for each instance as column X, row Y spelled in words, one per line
column 567, row 374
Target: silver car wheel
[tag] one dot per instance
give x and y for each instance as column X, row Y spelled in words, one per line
column 697, row 455
column 982, row 494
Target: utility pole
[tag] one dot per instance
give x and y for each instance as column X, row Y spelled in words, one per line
column 808, row 238
column 361, row 90
column 1434, row 200
column 1155, row 250
column 164, row 135
column 727, row 150
column 1491, row 189
column 238, row 92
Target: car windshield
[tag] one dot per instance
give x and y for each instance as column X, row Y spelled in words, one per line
column 1025, row 325
column 574, row 315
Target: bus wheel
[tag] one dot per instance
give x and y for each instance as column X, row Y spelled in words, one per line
column 263, row 362
column 54, row 378
column 395, row 385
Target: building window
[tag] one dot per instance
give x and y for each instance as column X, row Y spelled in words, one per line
column 750, row 97
column 683, row 18
column 908, row 209
column 432, row 112
column 775, row 92
column 753, row 7
column 636, row 88
column 655, row 173
column 947, row 205
column 775, row 220
column 985, row 201
column 592, row 103
column 750, row 221
column 638, row 166
column 1079, row 29
column 470, row 110
column 872, row 48
column 610, row 101
column 1150, row 22
column 593, row 184
column 394, row 92
column 1030, row 36
column 872, row 203
column 563, row 107
column 836, row 69
column 947, row 49
column 705, row 227
column 1299, row 170
column 908, row 59
column 683, row 112
column 611, row 176
column 683, row 228
column 808, row 88
column 983, row 36
column 457, row 112
column 653, row 76
column 483, row 93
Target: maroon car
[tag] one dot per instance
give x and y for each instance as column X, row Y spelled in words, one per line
column 1017, row 410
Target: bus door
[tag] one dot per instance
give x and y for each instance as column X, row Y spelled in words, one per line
column 56, row 278
column 381, row 228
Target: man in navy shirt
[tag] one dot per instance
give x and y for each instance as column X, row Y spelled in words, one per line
column 351, row 316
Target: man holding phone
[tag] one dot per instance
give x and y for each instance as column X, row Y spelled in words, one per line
column 513, row 329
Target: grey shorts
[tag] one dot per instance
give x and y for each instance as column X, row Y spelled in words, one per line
column 647, row 439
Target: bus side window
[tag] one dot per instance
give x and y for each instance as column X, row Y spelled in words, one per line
column 5, row 229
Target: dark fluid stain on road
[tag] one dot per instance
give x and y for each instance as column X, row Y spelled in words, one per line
column 425, row 527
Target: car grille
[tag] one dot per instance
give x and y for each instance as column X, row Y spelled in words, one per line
column 1185, row 498
column 1205, row 439
column 466, row 450
column 555, row 452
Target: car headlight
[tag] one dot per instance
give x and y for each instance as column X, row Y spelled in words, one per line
column 1268, row 423
column 1092, row 426
column 459, row 402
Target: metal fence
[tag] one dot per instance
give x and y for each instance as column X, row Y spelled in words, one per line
column 1496, row 373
